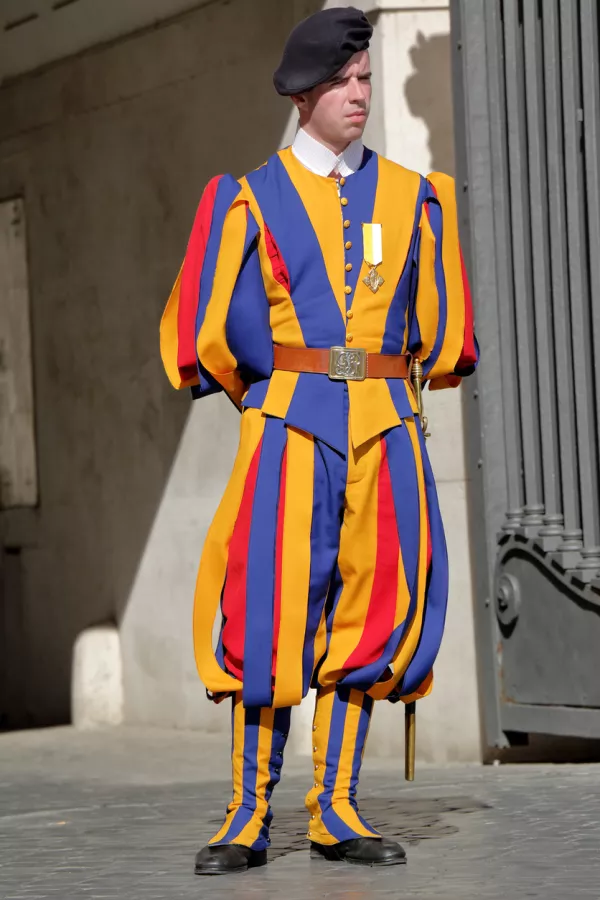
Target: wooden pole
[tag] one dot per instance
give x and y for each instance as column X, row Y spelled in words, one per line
column 410, row 734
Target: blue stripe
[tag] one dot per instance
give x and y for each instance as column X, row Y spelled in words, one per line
column 227, row 190
column 284, row 213
column 318, row 406
column 400, row 397
column 361, row 737
column 435, row 220
column 437, row 589
column 248, row 314
column 334, row 824
column 257, row 394
column 360, row 190
column 334, row 748
column 394, row 325
column 281, row 727
column 405, row 491
column 260, row 583
column 328, row 503
column 244, row 813
column 415, row 342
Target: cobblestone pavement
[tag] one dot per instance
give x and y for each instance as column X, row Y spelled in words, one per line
column 118, row 815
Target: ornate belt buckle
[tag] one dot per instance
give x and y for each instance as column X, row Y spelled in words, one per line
column 347, row 364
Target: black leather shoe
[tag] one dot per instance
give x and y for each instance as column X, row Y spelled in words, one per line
column 361, row 852
column 225, row 859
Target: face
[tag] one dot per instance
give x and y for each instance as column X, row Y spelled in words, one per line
column 336, row 112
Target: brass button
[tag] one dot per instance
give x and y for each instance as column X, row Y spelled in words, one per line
column 342, row 181
column 348, row 289
column 348, row 267
column 344, row 201
column 315, row 749
column 349, row 314
column 314, row 727
column 347, row 223
column 309, row 833
column 316, row 767
column 313, row 817
column 348, row 245
column 349, row 338
column 316, row 784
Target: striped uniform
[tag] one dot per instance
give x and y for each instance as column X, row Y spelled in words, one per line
column 326, row 560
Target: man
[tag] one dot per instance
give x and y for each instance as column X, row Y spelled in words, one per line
column 307, row 289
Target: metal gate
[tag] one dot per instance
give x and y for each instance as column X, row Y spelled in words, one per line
column 527, row 112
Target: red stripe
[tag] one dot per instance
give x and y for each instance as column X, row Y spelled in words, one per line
column 190, row 282
column 468, row 356
column 234, row 593
column 280, row 272
column 379, row 622
column 279, row 559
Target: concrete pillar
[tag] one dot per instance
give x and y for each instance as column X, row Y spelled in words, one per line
column 415, row 42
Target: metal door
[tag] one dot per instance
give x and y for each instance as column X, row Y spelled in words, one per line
column 527, row 106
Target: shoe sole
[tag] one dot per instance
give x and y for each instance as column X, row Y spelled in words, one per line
column 314, row 854
column 257, row 858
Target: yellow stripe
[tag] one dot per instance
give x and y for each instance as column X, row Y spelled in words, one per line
column 250, row 833
column 283, row 319
column 320, row 645
column 213, row 565
column 237, row 766
column 213, row 350
column 296, row 567
column 408, row 645
column 455, row 295
column 279, row 393
column 368, row 242
column 372, row 410
column 356, row 559
column 427, row 293
column 341, row 790
column 397, row 218
column 321, row 201
column 320, row 736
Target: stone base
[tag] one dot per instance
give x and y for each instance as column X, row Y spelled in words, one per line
column 97, row 678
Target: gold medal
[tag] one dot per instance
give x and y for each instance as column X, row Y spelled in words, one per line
column 373, row 254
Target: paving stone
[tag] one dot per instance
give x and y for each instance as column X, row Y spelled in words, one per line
column 119, row 815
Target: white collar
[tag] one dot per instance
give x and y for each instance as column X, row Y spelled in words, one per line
column 322, row 161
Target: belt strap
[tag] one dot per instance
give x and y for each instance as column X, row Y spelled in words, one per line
column 341, row 363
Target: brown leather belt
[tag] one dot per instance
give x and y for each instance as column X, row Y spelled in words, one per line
column 341, row 363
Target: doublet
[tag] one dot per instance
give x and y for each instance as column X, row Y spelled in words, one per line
column 328, row 547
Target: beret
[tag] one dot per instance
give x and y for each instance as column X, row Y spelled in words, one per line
column 319, row 47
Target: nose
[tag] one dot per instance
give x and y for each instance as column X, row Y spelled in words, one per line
column 356, row 91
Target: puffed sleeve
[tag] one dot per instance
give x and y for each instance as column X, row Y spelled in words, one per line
column 441, row 323
column 215, row 333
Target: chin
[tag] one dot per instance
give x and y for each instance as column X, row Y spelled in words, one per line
column 356, row 131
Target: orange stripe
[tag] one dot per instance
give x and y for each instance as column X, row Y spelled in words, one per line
column 409, row 643
column 213, row 564
column 295, row 567
column 321, row 201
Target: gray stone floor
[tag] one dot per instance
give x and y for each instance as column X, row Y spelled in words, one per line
column 120, row 814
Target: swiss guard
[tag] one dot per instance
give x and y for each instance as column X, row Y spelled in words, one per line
column 312, row 291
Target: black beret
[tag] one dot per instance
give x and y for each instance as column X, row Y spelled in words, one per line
column 319, row 47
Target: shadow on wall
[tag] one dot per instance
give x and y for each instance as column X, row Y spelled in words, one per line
column 429, row 96
column 112, row 149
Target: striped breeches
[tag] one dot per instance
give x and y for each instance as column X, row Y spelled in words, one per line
column 340, row 728
column 326, row 569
